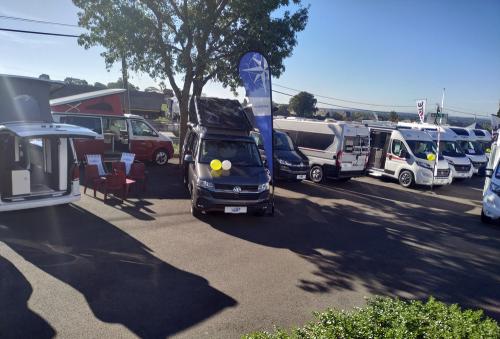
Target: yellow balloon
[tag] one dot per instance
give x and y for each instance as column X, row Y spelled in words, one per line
column 215, row 164
column 488, row 150
column 431, row 157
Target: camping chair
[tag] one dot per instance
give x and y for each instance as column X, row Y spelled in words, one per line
column 118, row 166
column 138, row 173
column 117, row 182
column 92, row 178
column 96, row 159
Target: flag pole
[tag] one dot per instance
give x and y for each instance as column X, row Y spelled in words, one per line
column 272, row 135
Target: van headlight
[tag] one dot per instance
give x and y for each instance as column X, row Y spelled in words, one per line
column 263, row 187
column 205, row 184
column 424, row 165
column 284, row 162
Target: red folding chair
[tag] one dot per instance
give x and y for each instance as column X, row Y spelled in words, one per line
column 117, row 182
column 138, row 174
column 118, row 166
column 92, row 178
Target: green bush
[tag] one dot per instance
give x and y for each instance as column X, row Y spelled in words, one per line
column 394, row 318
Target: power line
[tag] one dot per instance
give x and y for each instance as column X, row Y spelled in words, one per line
column 37, row 21
column 344, row 100
column 39, row 33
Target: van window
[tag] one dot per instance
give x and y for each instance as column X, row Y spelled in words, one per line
column 479, row 133
column 311, row 140
column 460, row 131
column 92, row 123
column 142, row 129
column 398, row 148
column 355, row 143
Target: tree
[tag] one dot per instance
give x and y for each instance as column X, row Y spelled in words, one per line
column 200, row 40
column 44, row 77
column 99, row 85
column 152, row 89
column 393, row 116
column 119, row 84
column 75, row 81
column 303, row 104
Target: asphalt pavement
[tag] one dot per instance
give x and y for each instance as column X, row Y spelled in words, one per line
column 147, row 268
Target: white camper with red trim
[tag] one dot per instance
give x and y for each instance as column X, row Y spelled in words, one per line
column 404, row 154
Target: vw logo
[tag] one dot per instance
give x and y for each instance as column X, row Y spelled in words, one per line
column 237, row 189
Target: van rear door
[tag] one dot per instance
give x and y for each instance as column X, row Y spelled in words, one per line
column 355, row 149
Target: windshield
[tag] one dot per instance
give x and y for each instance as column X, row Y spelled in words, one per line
column 240, row 153
column 471, row 147
column 421, row 148
column 451, row 149
column 282, row 142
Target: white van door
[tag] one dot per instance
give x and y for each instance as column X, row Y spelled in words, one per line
column 396, row 157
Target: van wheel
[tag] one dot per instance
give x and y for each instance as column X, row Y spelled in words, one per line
column 485, row 219
column 160, row 157
column 316, row 174
column 406, row 178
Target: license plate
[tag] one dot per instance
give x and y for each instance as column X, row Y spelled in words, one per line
column 235, row 210
column 301, row 177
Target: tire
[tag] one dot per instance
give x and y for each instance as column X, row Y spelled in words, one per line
column 316, row 174
column 406, row 178
column 195, row 212
column 485, row 219
column 160, row 157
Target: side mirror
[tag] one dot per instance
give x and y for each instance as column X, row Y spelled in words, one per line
column 188, row 158
column 488, row 172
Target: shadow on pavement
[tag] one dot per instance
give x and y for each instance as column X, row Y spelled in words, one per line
column 122, row 281
column 389, row 248
column 16, row 319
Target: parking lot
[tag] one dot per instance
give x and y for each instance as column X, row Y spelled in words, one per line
column 148, row 268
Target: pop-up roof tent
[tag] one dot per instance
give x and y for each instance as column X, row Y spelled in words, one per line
column 223, row 114
column 24, row 99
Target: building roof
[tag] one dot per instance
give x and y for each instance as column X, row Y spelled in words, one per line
column 86, row 96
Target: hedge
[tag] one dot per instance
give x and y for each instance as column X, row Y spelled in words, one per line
column 384, row 317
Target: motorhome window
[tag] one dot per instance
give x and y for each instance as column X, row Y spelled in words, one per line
column 471, row 147
column 451, row 149
column 140, row 128
column 398, row 148
column 115, row 126
column 460, row 131
column 479, row 133
column 91, row 123
column 240, row 153
column 352, row 143
column 282, row 142
column 421, row 148
column 317, row 141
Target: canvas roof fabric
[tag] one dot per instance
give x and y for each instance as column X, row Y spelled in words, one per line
column 221, row 114
column 25, row 99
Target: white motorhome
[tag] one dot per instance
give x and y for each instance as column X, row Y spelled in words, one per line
column 449, row 147
column 404, row 154
column 337, row 150
column 37, row 159
column 472, row 148
column 484, row 138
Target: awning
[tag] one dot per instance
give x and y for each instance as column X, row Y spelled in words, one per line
column 25, row 130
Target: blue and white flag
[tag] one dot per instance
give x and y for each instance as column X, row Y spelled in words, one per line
column 254, row 72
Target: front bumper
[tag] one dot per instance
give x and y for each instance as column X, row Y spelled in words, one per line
column 289, row 172
column 462, row 174
column 424, row 177
column 211, row 201
column 491, row 205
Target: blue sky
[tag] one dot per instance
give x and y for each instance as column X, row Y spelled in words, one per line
column 385, row 51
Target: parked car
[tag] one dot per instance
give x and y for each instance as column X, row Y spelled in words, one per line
column 337, row 150
column 222, row 134
column 117, row 134
column 37, row 163
column 403, row 154
column 289, row 162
